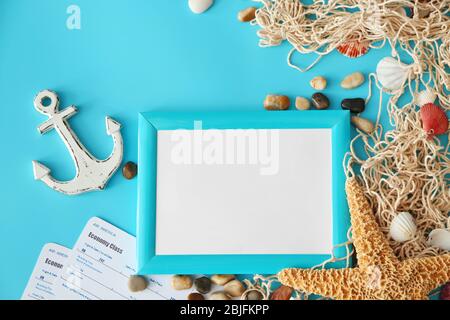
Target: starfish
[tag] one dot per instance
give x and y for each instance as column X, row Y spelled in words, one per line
column 380, row 274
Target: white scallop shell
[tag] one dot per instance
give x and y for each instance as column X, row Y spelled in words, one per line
column 440, row 238
column 199, row 6
column 424, row 97
column 403, row 227
column 392, row 74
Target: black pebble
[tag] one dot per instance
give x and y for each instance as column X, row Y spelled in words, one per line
column 356, row 105
column 320, row 101
column 203, row 285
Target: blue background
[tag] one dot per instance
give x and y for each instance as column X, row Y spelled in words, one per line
column 129, row 56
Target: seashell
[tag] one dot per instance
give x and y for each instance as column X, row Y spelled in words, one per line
column 434, row 119
column 424, row 97
column 403, row 227
column 440, row 238
column 392, row 74
column 354, row 48
column 199, row 6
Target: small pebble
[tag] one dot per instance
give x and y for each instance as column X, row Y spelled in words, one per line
column 254, row 295
column 195, row 296
column 203, row 285
column 234, row 288
column 302, row 103
column 137, row 283
column 221, row 279
column 181, row 282
column 247, row 14
column 363, row 124
column 282, row 293
column 199, row 6
column 353, row 80
column 320, row 101
column 356, row 105
column 276, row 102
column 129, row 170
column 318, row 83
column 219, row 295
column 445, row 292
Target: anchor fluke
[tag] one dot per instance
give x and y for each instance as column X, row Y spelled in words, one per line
column 40, row 171
column 112, row 126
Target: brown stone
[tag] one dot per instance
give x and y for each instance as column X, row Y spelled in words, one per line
column 276, row 102
column 247, row 14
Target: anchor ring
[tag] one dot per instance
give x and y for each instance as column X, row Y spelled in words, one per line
column 52, row 108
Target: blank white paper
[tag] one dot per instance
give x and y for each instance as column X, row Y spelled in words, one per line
column 206, row 207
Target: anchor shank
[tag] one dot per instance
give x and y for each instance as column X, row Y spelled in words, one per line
column 79, row 153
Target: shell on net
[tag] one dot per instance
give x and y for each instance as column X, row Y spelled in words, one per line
column 434, row 119
column 403, row 227
column 425, row 96
column 440, row 238
column 354, row 48
column 392, row 74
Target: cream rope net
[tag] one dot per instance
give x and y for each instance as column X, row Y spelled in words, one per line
column 401, row 169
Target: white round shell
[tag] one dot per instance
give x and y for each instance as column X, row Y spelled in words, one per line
column 392, row 74
column 403, row 227
column 199, row 6
column 424, row 97
column 440, row 238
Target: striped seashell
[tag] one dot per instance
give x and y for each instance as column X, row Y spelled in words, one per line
column 354, row 48
column 392, row 74
column 434, row 120
column 425, row 96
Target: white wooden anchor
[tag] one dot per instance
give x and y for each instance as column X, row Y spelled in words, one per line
column 91, row 173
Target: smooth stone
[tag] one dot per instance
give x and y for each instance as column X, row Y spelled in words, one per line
column 129, row 170
column 282, row 293
column 221, row 279
column 234, row 288
column 254, row 295
column 195, row 296
column 355, row 105
column 363, row 124
column 320, row 101
column 203, row 285
column 247, row 15
column 181, row 282
column 318, row 83
column 353, row 80
column 302, row 103
column 276, row 102
column 199, row 6
column 219, row 295
column 137, row 283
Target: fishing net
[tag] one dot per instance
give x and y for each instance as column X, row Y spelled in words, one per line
column 402, row 170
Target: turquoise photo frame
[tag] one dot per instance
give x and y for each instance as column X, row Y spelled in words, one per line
column 151, row 122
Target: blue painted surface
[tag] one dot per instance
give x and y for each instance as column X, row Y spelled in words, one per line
column 151, row 122
column 128, row 57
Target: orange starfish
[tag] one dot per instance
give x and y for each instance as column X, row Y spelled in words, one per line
column 379, row 275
